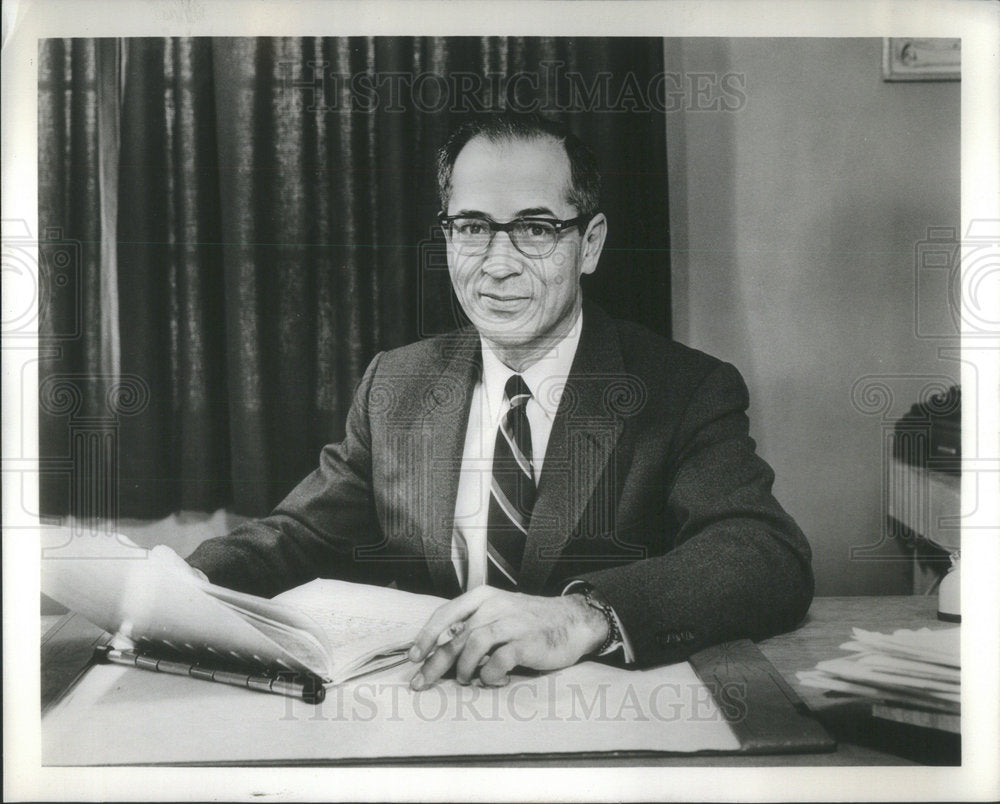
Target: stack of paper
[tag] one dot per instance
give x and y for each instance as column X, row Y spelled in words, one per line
column 915, row 671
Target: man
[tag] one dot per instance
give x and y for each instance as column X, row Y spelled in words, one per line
column 577, row 485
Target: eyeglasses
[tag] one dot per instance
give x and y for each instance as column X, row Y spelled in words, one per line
column 533, row 237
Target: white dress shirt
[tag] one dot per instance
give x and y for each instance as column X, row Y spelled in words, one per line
column 546, row 380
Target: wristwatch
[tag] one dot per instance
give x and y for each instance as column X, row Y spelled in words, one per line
column 595, row 600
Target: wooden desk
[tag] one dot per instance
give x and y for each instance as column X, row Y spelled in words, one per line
column 68, row 642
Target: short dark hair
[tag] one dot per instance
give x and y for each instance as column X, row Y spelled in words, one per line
column 584, row 191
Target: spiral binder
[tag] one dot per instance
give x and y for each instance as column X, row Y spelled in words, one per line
column 295, row 685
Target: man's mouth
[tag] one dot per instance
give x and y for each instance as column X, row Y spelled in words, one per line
column 504, row 297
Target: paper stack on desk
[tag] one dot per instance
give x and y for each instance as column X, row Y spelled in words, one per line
column 911, row 676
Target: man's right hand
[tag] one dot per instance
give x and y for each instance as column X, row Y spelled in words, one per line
column 503, row 630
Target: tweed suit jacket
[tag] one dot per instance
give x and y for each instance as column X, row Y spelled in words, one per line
column 651, row 490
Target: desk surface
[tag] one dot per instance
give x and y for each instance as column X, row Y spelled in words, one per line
column 67, row 644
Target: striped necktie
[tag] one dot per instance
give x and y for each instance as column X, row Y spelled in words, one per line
column 512, row 490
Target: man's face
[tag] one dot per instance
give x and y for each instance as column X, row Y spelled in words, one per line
column 519, row 303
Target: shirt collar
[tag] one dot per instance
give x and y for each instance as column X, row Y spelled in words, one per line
column 546, row 378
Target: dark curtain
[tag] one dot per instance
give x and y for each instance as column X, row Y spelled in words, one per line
column 275, row 229
column 73, row 324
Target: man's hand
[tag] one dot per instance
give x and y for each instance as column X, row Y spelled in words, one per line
column 496, row 631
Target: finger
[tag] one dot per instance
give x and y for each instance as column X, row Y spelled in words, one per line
column 443, row 618
column 478, row 643
column 436, row 665
column 496, row 672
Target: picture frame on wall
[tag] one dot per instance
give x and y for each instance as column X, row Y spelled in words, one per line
column 911, row 59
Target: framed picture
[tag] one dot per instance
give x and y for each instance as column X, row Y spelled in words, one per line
column 921, row 59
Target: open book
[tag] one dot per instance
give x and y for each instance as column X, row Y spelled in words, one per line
column 154, row 605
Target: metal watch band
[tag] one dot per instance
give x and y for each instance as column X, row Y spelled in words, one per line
column 614, row 639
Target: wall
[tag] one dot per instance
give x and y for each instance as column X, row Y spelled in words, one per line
column 794, row 224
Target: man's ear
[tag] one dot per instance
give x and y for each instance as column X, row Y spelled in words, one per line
column 593, row 243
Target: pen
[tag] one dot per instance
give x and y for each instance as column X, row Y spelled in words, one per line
column 444, row 638
column 450, row 633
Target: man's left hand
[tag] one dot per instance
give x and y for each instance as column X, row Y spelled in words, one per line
column 496, row 631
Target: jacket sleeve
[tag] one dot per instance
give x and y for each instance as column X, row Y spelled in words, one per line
column 316, row 530
column 737, row 565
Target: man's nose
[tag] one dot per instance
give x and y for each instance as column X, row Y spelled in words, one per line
column 502, row 259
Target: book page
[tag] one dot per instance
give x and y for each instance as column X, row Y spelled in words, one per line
column 360, row 621
column 362, row 600
column 341, row 631
column 150, row 598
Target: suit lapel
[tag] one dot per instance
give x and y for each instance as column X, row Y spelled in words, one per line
column 584, row 435
column 446, row 406
column 583, row 439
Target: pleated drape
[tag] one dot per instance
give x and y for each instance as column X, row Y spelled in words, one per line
column 275, row 230
column 73, row 371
